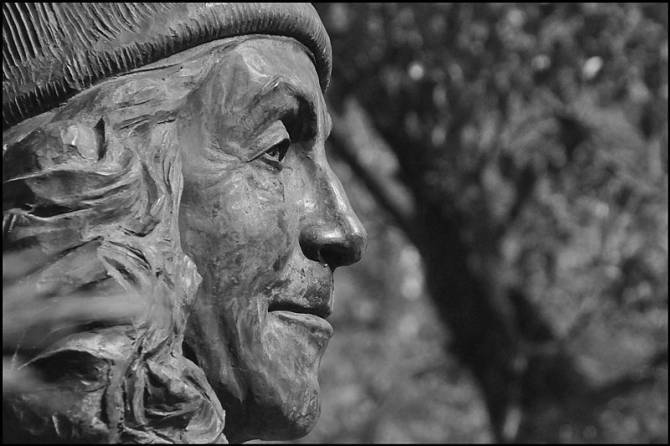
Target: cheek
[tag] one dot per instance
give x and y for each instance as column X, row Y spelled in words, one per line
column 241, row 217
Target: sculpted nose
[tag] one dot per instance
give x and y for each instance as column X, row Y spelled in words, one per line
column 335, row 236
column 334, row 245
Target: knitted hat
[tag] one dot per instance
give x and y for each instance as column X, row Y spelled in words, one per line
column 52, row 51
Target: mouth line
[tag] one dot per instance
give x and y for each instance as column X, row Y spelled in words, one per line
column 321, row 311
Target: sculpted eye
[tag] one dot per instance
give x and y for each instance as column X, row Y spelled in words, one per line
column 278, row 151
column 271, row 145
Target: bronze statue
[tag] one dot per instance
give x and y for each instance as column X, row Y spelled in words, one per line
column 175, row 151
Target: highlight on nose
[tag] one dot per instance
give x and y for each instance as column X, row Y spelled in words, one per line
column 333, row 245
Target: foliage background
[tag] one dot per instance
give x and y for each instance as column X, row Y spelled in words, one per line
column 510, row 164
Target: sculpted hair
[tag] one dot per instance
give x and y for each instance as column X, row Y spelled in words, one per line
column 96, row 184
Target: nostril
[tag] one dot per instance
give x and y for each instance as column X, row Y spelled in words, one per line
column 340, row 254
column 332, row 246
column 310, row 248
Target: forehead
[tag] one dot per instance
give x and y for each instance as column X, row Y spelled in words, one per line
column 260, row 77
column 262, row 63
column 278, row 56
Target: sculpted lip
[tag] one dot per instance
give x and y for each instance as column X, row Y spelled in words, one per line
column 315, row 299
column 321, row 310
column 306, row 303
column 314, row 324
column 311, row 312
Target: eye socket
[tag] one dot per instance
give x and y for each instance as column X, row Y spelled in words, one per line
column 271, row 145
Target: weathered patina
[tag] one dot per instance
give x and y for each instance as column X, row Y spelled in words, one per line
column 196, row 178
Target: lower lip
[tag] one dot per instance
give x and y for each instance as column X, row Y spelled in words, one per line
column 316, row 325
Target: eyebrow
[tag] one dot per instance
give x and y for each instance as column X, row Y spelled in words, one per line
column 300, row 104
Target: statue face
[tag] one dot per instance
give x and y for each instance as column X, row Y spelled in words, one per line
column 266, row 222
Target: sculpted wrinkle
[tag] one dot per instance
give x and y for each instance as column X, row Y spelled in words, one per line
column 171, row 157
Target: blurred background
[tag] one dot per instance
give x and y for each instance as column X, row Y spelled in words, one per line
column 510, row 162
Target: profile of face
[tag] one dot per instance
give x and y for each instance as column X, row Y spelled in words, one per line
column 266, row 221
column 203, row 171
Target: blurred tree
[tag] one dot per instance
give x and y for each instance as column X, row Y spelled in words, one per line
column 529, row 169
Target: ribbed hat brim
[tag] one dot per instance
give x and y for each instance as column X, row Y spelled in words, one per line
column 53, row 51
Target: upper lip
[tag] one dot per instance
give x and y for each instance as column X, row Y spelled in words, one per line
column 316, row 299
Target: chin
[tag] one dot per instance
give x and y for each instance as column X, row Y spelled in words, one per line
column 283, row 384
column 294, row 425
column 276, row 368
column 284, row 409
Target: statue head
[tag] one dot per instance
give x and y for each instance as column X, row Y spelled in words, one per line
column 195, row 173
